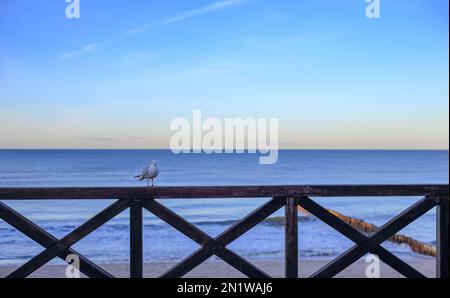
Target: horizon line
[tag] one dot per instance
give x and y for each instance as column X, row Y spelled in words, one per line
column 279, row 149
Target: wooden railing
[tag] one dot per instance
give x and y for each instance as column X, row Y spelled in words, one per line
column 289, row 197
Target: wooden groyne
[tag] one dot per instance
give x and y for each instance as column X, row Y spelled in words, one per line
column 368, row 228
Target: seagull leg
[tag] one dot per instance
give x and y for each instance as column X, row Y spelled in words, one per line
column 148, row 185
column 152, row 182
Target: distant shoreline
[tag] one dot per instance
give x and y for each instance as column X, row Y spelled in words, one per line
column 168, row 149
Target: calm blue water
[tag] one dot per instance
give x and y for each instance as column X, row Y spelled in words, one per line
column 38, row 168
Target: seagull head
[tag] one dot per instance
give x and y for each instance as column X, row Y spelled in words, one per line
column 154, row 163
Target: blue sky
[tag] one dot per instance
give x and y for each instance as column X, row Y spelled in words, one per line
column 117, row 76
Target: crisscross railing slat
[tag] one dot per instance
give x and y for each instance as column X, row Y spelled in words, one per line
column 76, row 235
column 202, row 238
column 45, row 239
column 358, row 237
column 225, row 238
column 386, row 231
column 137, row 198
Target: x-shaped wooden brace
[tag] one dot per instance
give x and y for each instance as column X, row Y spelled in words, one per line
column 366, row 244
column 61, row 248
column 216, row 246
column 45, row 239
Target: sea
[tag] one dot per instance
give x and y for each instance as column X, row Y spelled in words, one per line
column 110, row 243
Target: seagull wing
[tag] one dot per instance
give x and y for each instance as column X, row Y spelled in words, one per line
column 144, row 173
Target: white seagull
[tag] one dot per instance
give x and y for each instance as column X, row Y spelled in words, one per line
column 149, row 172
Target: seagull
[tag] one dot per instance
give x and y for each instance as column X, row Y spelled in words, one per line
column 149, row 172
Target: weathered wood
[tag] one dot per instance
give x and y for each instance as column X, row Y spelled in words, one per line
column 241, row 264
column 76, row 235
column 177, row 222
column 136, row 249
column 45, row 239
column 202, row 238
column 358, row 237
column 386, row 231
column 248, row 222
column 442, row 226
column 138, row 197
column 225, row 238
column 222, row 192
column 291, row 238
column 190, row 262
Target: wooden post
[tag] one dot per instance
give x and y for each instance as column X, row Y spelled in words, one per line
column 291, row 238
column 136, row 256
column 442, row 227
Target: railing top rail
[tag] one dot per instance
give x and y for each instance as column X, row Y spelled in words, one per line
column 76, row 193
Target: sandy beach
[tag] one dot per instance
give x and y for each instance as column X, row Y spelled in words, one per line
column 218, row 269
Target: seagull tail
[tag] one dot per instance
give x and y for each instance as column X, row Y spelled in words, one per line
column 139, row 176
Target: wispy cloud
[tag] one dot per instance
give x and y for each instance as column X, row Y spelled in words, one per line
column 96, row 139
column 108, row 139
column 201, row 11
column 86, row 49
column 180, row 16
column 136, row 30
